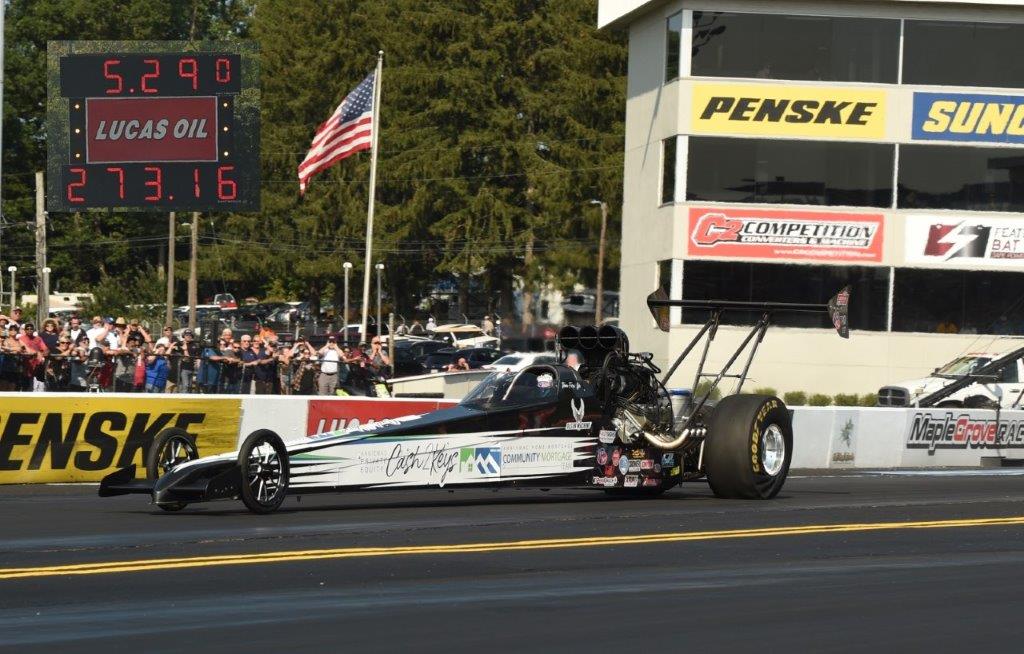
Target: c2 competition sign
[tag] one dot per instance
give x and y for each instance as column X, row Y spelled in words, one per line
column 968, row 117
column 66, row 439
column 751, row 233
column 803, row 111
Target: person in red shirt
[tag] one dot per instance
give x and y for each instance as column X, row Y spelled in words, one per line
column 33, row 344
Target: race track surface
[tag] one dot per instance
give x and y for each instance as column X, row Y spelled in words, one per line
column 893, row 562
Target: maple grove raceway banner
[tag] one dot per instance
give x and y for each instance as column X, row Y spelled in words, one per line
column 50, row 438
column 961, row 437
column 964, row 243
column 334, row 415
column 750, row 233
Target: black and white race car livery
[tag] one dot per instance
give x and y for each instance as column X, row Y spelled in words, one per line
column 610, row 425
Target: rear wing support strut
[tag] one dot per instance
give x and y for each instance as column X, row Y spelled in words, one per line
column 837, row 309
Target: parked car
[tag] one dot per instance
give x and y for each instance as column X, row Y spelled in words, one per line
column 225, row 301
column 464, row 335
column 998, row 387
column 410, row 353
column 476, row 357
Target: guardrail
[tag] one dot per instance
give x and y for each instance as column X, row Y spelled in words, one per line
column 81, row 437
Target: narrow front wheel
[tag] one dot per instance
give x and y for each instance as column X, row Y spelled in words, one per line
column 263, row 461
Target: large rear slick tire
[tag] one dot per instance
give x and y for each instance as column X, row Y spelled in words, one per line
column 263, row 461
column 749, row 447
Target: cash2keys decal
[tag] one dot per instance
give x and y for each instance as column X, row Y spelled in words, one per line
column 996, row 242
column 775, row 234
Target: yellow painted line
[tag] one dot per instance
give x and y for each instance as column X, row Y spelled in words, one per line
column 109, row 567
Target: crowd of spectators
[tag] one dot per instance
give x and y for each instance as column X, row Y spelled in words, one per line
column 123, row 356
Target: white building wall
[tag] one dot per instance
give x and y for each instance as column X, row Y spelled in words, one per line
column 789, row 359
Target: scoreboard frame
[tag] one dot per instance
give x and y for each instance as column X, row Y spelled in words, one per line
column 153, row 126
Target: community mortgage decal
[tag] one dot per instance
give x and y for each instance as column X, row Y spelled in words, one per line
column 749, row 233
column 771, row 110
column 968, row 117
column 947, row 241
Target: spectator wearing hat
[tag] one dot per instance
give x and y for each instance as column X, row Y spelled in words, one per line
column 170, row 343
column 98, row 334
column 10, row 359
column 189, row 351
column 14, row 318
column 330, row 361
column 133, row 335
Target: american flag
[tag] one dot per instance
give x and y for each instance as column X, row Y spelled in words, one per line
column 348, row 130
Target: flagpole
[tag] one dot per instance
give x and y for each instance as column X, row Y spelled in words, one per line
column 373, row 193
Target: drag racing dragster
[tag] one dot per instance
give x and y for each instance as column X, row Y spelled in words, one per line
column 608, row 425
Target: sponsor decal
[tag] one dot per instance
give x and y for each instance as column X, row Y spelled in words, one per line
column 997, row 242
column 537, row 454
column 668, row 459
column 791, row 110
column 431, row 459
column 652, row 481
column 484, row 461
column 968, row 117
column 602, row 456
column 616, row 453
column 605, row 481
column 647, row 464
column 120, row 130
column 962, row 431
column 83, row 439
column 606, row 436
column 638, row 453
column 624, row 466
column 631, row 481
column 577, row 414
column 657, row 467
column 330, row 416
column 634, row 466
column 751, row 233
column 844, row 438
column 675, row 471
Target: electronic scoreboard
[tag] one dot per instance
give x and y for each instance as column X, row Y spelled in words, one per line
column 152, row 125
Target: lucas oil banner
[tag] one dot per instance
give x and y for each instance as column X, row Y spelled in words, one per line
column 68, row 439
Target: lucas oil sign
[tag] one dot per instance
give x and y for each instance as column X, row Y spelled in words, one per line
column 54, row 439
column 782, row 234
column 968, row 117
column 771, row 110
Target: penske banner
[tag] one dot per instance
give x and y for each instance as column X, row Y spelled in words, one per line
column 801, row 111
column 968, row 117
column 50, row 438
column 965, row 243
column 750, row 233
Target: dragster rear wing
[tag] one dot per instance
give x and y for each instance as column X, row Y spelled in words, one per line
column 658, row 302
column 837, row 308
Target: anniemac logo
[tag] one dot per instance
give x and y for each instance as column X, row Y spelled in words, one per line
column 959, row 240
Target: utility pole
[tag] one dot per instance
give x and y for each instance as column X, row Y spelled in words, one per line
column 42, row 293
column 171, row 233
column 193, row 291
column 599, row 300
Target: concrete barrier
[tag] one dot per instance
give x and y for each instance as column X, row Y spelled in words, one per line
column 82, row 437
